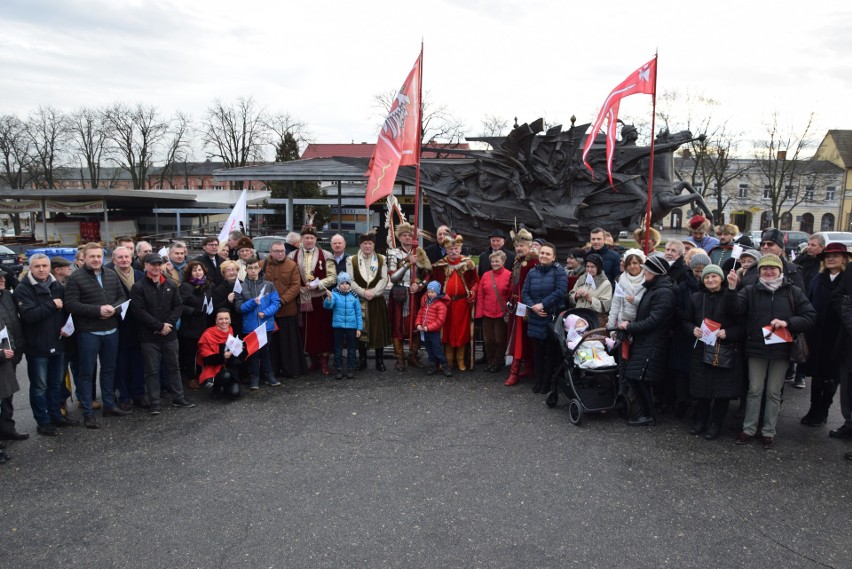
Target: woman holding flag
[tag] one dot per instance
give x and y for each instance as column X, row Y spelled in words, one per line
column 196, row 292
column 716, row 366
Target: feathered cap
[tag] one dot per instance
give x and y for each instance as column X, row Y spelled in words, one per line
column 522, row 236
column 450, row 240
column 309, row 230
column 404, row 228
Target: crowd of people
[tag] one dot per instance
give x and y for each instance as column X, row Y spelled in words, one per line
column 704, row 322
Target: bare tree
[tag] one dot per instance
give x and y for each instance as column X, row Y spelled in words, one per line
column 442, row 131
column 282, row 125
column 176, row 150
column 779, row 158
column 15, row 150
column 137, row 133
column 90, row 135
column 236, row 133
column 492, row 126
column 49, row 132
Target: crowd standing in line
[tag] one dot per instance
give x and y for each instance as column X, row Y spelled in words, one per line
column 178, row 330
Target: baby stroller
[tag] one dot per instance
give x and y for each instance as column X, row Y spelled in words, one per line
column 588, row 390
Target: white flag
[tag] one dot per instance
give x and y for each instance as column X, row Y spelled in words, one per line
column 234, row 345
column 4, row 335
column 238, row 215
column 737, row 251
column 207, row 306
column 619, row 291
column 238, row 288
column 590, row 281
column 123, row 307
column 68, row 329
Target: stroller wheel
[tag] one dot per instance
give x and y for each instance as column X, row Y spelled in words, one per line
column 575, row 412
column 622, row 403
column 552, row 399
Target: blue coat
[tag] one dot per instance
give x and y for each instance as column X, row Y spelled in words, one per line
column 249, row 308
column 545, row 284
column 346, row 310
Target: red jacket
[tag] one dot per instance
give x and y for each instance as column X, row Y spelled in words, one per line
column 432, row 316
column 488, row 303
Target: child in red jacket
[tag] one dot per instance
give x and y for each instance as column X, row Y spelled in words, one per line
column 430, row 320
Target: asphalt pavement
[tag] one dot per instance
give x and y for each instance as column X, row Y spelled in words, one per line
column 405, row 470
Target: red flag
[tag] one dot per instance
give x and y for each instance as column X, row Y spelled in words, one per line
column 643, row 80
column 255, row 339
column 399, row 139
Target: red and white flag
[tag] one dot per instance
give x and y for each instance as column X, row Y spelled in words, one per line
column 399, row 139
column 709, row 330
column 776, row 335
column 255, row 340
column 643, row 80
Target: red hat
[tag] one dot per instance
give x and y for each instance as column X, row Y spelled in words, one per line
column 697, row 221
column 834, row 248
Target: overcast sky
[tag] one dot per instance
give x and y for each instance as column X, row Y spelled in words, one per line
column 324, row 61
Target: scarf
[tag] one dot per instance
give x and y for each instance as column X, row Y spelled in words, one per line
column 772, row 284
column 198, row 282
column 45, row 285
column 128, row 279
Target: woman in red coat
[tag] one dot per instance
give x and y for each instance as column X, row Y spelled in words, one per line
column 218, row 364
column 491, row 298
column 459, row 279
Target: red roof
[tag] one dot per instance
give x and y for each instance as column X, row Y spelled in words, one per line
column 365, row 150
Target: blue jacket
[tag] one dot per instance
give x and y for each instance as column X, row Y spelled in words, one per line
column 545, row 284
column 346, row 310
column 249, row 308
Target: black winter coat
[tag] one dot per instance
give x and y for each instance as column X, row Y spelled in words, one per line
column 705, row 381
column 759, row 306
column 824, row 359
column 154, row 306
column 220, row 300
column 194, row 319
column 791, row 272
column 84, row 297
column 128, row 329
column 41, row 320
column 650, row 331
column 678, row 271
column 680, row 347
column 9, row 319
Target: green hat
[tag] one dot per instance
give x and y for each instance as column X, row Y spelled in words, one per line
column 712, row 270
column 770, row 260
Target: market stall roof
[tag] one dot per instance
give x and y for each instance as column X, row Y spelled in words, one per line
column 314, row 169
column 113, row 197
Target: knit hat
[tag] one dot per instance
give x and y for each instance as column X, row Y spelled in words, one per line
column 597, row 260
column 699, row 259
column 656, row 265
column 636, row 253
column 434, row 286
column 753, row 253
column 245, row 243
column 571, row 322
column 712, row 270
column 773, row 235
column 770, row 260
column 344, row 277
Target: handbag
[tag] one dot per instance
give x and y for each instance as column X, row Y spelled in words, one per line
column 799, row 349
column 499, row 298
column 719, row 355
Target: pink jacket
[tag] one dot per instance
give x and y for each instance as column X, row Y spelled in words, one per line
column 487, row 304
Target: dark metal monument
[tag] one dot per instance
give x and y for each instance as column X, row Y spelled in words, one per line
column 537, row 180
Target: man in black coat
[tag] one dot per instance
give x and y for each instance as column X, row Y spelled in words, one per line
column 674, row 255
column 611, row 259
column 210, row 259
column 808, row 261
column 157, row 306
column 40, row 305
column 93, row 296
column 498, row 243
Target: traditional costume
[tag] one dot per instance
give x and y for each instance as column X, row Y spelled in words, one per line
column 459, row 280
column 370, row 274
column 402, row 305
column 520, row 346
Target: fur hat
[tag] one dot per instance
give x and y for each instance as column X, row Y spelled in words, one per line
column 636, row 253
column 245, row 243
column 309, row 230
column 522, row 236
column 653, row 235
column 770, row 260
column 404, row 228
column 367, row 237
column 451, row 240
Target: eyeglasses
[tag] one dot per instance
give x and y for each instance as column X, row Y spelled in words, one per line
column 767, row 244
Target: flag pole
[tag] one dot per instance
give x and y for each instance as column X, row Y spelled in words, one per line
column 419, row 147
column 651, row 165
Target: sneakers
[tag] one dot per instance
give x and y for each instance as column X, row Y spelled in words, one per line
column 743, row 439
column 183, row 403
column 799, row 383
column 273, row 382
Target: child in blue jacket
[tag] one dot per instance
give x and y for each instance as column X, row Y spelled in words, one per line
column 258, row 302
column 346, row 323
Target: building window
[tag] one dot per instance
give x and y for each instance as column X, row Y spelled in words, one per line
column 767, row 192
column 699, row 187
column 830, row 192
column 742, row 191
column 788, row 193
column 809, row 193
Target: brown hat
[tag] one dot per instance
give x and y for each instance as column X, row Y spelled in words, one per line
column 366, row 237
column 309, row 230
column 404, row 228
column 245, row 243
column 56, row 262
column 451, row 240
